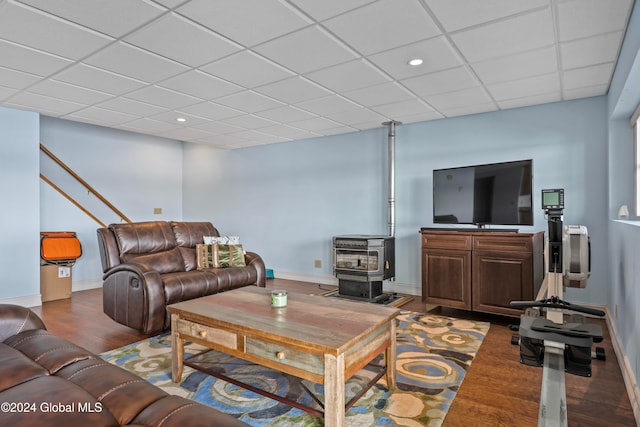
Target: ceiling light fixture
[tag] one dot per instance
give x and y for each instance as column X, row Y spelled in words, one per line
column 181, row 119
column 415, row 62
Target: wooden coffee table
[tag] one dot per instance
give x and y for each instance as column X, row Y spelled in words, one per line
column 323, row 340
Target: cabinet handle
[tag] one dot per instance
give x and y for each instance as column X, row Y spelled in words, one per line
column 280, row 355
column 202, row 334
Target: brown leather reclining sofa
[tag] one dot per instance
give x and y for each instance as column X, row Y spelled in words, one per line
column 149, row 265
column 46, row 380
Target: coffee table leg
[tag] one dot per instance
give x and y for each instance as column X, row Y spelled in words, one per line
column 177, row 351
column 390, row 357
column 334, row 400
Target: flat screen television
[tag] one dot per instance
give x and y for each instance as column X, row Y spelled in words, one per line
column 496, row 193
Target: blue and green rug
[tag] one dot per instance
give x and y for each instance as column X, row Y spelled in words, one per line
column 433, row 355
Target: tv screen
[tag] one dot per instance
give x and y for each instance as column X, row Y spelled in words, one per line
column 496, row 193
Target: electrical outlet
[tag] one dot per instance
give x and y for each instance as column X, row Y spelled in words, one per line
column 157, row 211
column 317, row 263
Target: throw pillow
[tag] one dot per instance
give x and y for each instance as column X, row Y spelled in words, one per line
column 219, row 255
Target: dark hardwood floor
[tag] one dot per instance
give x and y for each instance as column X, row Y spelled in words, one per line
column 497, row 390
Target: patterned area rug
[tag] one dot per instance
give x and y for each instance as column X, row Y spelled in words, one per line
column 433, row 355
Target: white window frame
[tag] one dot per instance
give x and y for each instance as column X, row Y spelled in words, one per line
column 635, row 124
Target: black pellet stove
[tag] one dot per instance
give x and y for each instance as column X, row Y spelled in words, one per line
column 361, row 262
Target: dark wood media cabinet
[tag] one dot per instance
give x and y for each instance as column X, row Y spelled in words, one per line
column 481, row 270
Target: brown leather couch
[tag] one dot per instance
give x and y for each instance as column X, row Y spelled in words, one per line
column 149, row 265
column 46, row 380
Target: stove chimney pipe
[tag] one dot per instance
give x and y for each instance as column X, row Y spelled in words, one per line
column 392, row 175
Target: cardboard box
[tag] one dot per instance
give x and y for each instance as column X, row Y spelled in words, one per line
column 55, row 282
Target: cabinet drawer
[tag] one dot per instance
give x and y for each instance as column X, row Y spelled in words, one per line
column 283, row 355
column 208, row 334
column 447, row 241
column 502, row 243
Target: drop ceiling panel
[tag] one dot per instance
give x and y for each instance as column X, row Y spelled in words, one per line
column 50, row 106
column 457, row 14
column 547, row 83
column 519, row 34
column 98, row 115
column 285, row 114
column 113, row 17
column 329, row 104
column 211, row 111
column 459, row 99
column 585, row 18
column 247, row 69
column 383, row 25
column 590, row 51
column 294, row 90
column 517, row 66
column 597, row 75
column 183, row 41
column 98, row 79
column 165, row 98
column 441, row 82
column 321, row 10
column 201, row 85
column 249, row 102
column 249, row 22
column 131, row 106
column 379, row 94
column 437, row 54
column 349, row 76
column 17, row 79
column 306, row 50
column 69, row 92
column 29, row 60
column 32, row 28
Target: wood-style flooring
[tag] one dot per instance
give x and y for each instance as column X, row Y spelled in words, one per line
column 497, row 390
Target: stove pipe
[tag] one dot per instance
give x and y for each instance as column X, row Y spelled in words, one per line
column 391, row 158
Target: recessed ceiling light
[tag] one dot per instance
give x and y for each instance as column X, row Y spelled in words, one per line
column 415, row 62
column 181, row 119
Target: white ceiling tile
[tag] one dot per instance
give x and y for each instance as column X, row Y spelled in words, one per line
column 201, row 85
column 69, row 92
column 6, row 92
column 33, row 28
column 469, row 109
column 321, row 10
column 186, row 134
column 441, row 82
column 150, row 125
column 218, row 127
column 420, row 117
column 543, row 98
column 383, row 25
column 293, row 90
column 211, row 111
column 379, row 94
column 247, row 69
column 585, row 18
column 130, row 106
column 285, row 114
column 29, row 60
column 249, row 102
column 521, row 33
column 173, row 115
column 437, row 54
column 329, row 104
column 288, row 132
column 113, row 17
column 584, row 92
column 306, row 50
column 17, row 79
column 357, row 117
column 175, row 37
column 131, row 61
column 589, row 76
column 517, row 66
column 249, row 121
column 522, row 88
column 98, row 79
column 316, row 124
column 590, row 51
column 101, row 116
column 247, row 21
column 348, row 76
column 162, row 97
column 459, row 99
column 404, row 108
column 458, row 14
column 48, row 105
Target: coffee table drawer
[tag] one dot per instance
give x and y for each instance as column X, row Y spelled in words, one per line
column 285, row 356
column 208, row 334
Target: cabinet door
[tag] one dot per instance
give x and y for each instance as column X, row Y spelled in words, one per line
column 499, row 278
column 446, row 278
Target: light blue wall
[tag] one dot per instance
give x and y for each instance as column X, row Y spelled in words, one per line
column 624, row 284
column 287, row 200
column 19, row 221
column 134, row 172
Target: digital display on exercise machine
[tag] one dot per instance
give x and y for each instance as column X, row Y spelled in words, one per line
column 553, row 199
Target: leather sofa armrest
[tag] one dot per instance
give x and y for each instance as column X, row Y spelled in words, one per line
column 15, row 319
column 133, row 295
column 254, row 260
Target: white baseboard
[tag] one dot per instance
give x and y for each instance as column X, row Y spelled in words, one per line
column 625, row 367
column 25, row 300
